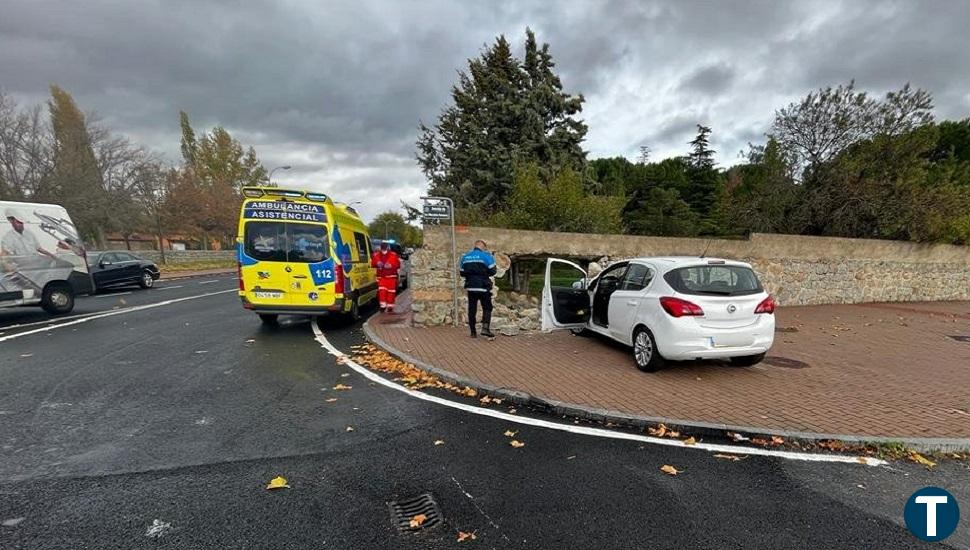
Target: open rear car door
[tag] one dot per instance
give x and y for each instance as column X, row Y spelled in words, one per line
column 565, row 300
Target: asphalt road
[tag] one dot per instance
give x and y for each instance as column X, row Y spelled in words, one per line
column 173, row 408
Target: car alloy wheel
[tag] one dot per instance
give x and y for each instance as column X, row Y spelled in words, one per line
column 146, row 280
column 643, row 348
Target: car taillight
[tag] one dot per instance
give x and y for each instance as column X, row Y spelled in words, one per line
column 766, row 306
column 338, row 272
column 676, row 307
column 242, row 287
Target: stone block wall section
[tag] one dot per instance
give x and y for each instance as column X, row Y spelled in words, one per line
column 185, row 256
column 797, row 270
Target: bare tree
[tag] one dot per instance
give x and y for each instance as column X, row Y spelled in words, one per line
column 25, row 149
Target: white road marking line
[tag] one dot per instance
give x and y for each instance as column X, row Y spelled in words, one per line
column 168, row 287
column 113, row 313
column 111, row 295
column 49, row 321
column 207, row 282
column 584, row 430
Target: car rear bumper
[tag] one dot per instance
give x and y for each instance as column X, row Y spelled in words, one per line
column 336, row 307
column 683, row 341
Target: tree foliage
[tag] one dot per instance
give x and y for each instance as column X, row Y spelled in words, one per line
column 504, row 111
column 391, row 225
column 558, row 202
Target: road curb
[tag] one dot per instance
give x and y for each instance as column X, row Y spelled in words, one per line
column 693, row 427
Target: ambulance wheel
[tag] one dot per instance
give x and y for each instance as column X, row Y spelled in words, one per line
column 269, row 318
column 57, row 299
column 354, row 314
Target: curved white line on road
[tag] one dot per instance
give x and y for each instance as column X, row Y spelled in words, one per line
column 584, row 430
column 112, row 313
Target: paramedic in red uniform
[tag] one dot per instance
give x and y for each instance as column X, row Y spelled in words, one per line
column 387, row 264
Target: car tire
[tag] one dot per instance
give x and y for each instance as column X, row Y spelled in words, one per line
column 270, row 319
column 645, row 353
column 146, row 281
column 57, row 299
column 747, row 360
column 584, row 332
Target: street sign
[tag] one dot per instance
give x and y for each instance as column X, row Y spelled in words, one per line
column 437, row 211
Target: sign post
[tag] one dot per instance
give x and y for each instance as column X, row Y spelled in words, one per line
column 437, row 209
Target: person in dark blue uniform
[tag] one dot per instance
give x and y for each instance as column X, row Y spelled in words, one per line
column 478, row 267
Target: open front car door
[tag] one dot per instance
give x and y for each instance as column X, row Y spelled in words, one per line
column 565, row 300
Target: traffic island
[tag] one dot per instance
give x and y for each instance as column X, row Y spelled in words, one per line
column 875, row 373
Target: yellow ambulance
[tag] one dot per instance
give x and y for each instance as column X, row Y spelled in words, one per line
column 301, row 253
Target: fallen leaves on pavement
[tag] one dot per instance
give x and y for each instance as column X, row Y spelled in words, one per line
column 670, row 470
column 417, row 520
column 463, row 536
column 663, row 431
column 773, row 442
column 913, row 456
column 439, row 442
column 406, row 373
column 690, row 441
column 330, row 399
column 516, row 443
column 278, row 482
column 350, row 428
column 340, row 387
column 509, row 433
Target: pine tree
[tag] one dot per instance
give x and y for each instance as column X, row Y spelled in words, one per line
column 188, row 139
column 701, row 154
column 503, row 111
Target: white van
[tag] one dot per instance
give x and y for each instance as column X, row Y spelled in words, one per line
column 42, row 258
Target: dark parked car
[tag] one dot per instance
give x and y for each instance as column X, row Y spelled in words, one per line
column 121, row 268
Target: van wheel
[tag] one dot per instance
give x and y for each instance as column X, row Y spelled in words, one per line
column 354, row 314
column 645, row 353
column 146, row 281
column 57, row 299
column 269, row 319
column 747, row 360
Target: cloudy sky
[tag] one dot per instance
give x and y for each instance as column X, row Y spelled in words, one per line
column 336, row 89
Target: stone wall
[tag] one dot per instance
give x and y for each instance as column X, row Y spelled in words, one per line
column 797, row 270
column 184, row 256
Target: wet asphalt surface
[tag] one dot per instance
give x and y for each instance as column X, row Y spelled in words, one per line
column 178, row 416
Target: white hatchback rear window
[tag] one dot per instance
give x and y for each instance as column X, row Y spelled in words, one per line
column 714, row 280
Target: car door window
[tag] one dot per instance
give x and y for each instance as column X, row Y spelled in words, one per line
column 362, row 251
column 637, row 277
column 109, row 258
column 124, row 257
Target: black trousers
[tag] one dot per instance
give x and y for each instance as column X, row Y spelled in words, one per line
column 486, row 299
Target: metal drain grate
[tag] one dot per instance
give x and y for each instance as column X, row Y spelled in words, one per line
column 402, row 511
column 961, row 338
column 785, row 362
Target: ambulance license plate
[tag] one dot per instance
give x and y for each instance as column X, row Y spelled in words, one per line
column 268, row 295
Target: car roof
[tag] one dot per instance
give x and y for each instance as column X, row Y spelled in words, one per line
column 674, row 262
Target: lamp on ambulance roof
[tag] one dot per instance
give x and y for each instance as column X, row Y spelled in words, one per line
column 252, row 193
column 320, row 197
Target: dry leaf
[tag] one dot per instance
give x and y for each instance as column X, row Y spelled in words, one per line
column 862, row 460
column 777, row 440
column 345, row 375
column 417, row 520
column 463, row 536
column 278, row 482
column 485, row 400
column 439, row 442
column 330, row 399
column 512, row 411
column 470, row 392
column 516, row 443
column 339, row 387
column 738, row 437
column 735, row 458
column 690, row 441
column 668, row 469
column 659, row 431
column 350, row 428
column 509, row 433
column 920, row 459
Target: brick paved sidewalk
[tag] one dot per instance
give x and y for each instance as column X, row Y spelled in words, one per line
column 874, row 370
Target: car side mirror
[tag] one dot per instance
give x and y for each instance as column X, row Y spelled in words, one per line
column 104, row 263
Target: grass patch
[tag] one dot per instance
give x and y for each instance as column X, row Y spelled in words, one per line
column 176, row 267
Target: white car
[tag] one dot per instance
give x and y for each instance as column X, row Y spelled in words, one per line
column 677, row 308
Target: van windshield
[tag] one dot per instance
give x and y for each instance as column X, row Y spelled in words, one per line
column 716, row 280
column 286, row 242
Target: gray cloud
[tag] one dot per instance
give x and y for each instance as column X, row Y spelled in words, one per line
column 337, row 88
